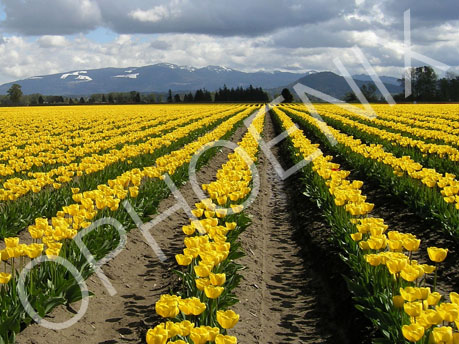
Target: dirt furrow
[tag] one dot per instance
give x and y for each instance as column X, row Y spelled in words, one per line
column 283, row 299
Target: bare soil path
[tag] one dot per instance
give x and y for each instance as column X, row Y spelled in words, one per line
column 283, row 297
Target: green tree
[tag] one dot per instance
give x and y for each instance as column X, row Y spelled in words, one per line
column 177, row 99
column 169, row 96
column 15, row 93
column 288, row 98
column 423, row 83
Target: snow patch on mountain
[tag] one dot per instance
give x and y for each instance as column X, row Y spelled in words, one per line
column 129, row 76
column 64, row 76
column 83, row 77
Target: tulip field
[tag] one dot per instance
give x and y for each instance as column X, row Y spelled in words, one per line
column 63, row 169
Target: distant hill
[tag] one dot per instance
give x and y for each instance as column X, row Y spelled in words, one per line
column 333, row 84
column 164, row 76
column 385, row 79
column 154, row 78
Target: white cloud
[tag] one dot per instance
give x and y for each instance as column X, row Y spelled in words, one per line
column 49, row 41
column 244, row 35
column 152, row 15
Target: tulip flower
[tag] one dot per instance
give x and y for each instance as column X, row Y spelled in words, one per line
column 158, row 335
column 413, row 309
column 213, row 292
column 227, row 319
column 436, row 254
column 192, row 306
column 183, row 260
column 413, row 332
column 224, row 339
column 217, row 279
column 440, row 335
column 4, row 277
column 454, row 298
column 199, row 335
column 398, row 301
column 448, row 311
column 185, row 327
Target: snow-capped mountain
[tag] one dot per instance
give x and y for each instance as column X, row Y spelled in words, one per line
column 154, row 78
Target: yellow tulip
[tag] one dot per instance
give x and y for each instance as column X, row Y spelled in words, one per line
column 224, row 339
column 167, row 306
column 432, row 317
column 173, row 329
column 192, row 306
column 188, row 230
column 11, row 242
column 221, row 213
column 230, row 225
column 203, row 270
column 227, row 319
column 158, row 335
column 373, row 259
column 213, row 292
column 436, row 254
column 199, row 335
column 454, row 298
column 448, row 311
column 197, row 212
column 413, row 332
column 201, row 283
column 217, row 279
column 213, row 332
column 183, row 260
column 398, row 301
column 433, row 298
column 413, row 309
column 52, row 253
column 4, row 277
column 356, row 236
column 409, row 273
column 411, row 244
column 440, row 335
column 396, row 265
column 185, row 327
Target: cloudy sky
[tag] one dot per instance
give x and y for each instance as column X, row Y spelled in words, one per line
column 51, row 36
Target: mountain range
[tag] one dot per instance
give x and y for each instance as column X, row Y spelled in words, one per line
column 164, row 76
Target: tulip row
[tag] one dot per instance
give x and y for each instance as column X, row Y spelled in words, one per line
column 63, row 151
column 447, row 125
column 96, row 170
column 441, row 136
column 382, row 262
column 50, row 284
column 437, row 117
column 51, row 143
column 200, row 313
column 394, row 139
column 428, row 190
column 16, row 187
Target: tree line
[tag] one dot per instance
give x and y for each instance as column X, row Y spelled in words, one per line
column 15, row 96
column 426, row 86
